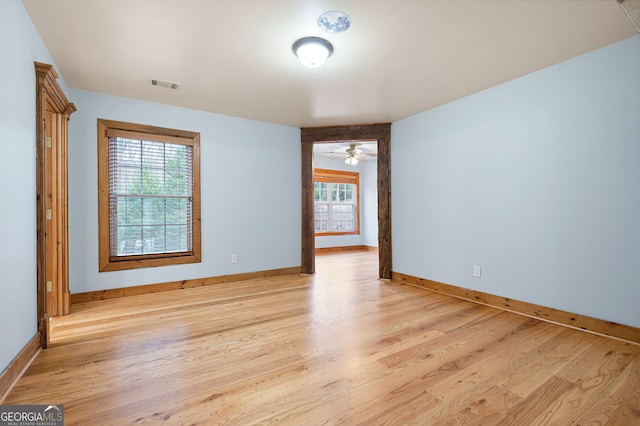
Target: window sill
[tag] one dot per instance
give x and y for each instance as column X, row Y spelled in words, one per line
column 134, row 262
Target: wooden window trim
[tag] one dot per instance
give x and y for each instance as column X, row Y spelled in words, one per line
column 108, row 128
column 339, row 176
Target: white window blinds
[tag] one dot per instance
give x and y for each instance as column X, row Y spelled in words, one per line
column 150, row 194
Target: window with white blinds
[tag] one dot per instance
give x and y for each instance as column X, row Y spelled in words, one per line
column 150, row 196
column 153, row 196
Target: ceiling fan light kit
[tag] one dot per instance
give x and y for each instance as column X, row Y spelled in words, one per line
column 352, row 155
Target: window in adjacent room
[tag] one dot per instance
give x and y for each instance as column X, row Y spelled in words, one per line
column 336, row 209
column 149, row 196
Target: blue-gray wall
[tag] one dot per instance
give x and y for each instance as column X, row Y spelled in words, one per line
column 250, row 192
column 20, row 46
column 537, row 181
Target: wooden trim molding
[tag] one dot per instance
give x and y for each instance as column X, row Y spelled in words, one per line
column 326, row 250
column 116, row 293
column 338, row 176
column 18, row 366
column 109, row 128
column 580, row 322
column 46, row 79
column 53, row 111
column 366, row 132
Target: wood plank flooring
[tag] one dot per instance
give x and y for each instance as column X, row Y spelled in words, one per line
column 337, row 348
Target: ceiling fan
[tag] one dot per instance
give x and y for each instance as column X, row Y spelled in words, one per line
column 352, row 155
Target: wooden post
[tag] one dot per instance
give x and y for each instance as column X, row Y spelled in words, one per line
column 367, row 132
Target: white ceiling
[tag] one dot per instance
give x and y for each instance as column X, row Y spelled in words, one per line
column 399, row 57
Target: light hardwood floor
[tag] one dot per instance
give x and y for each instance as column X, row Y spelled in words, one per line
column 340, row 347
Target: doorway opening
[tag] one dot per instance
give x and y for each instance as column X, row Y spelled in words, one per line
column 345, row 197
column 380, row 133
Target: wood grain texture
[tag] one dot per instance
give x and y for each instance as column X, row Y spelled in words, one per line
column 341, row 347
column 365, row 132
column 18, row 366
column 53, row 111
column 116, row 293
column 337, row 249
column 583, row 322
column 385, row 263
column 308, row 241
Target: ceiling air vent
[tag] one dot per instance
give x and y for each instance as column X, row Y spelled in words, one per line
column 164, row 83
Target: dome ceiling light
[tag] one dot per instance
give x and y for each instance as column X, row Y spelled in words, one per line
column 312, row 51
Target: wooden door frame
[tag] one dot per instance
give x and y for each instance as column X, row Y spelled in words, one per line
column 367, row 132
column 50, row 99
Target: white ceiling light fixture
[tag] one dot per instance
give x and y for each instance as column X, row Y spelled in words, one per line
column 312, row 51
column 352, row 161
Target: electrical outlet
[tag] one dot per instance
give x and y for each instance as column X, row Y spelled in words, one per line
column 476, row 271
column 234, row 258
